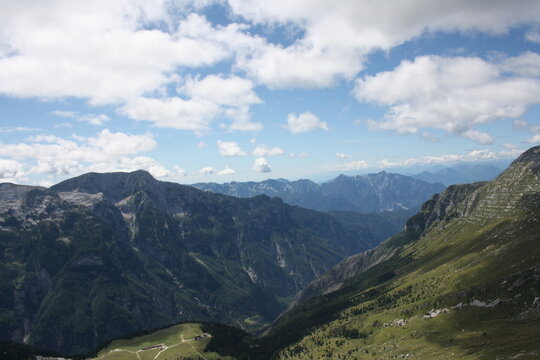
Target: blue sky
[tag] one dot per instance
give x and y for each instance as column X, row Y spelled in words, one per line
column 247, row 90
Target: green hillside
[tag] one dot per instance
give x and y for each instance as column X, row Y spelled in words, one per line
column 183, row 341
column 462, row 282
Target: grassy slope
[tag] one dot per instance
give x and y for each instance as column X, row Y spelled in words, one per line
column 467, row 289
column 179, row 340
column 390, row 320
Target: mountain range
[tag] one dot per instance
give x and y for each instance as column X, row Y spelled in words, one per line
column 461, row 174
column 461, row 281
column 372, row 193
column 104, row 255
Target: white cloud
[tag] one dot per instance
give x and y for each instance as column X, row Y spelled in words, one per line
column 229, row 148
column 226, row 171
column 263, row 150
column 207, row 170
column 233, row 95
column 533, row 36
column 201, row 145
column 120, row 143
column 335, row 36
column 534, row 140
column 261, row 165
column 132, row 164
column 107, row 151
column 478, row 137
column 93, row 119
column 305, row 122
column 472, row 156
column 179, row 171
column 208, row 98
column 349, row 166
column 11, row 170
column 451, row 94
column 173, row 112
column 97, row 50
column 341, row 156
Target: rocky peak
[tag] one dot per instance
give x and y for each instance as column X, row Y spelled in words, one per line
column 531, row 157
column 114, row 186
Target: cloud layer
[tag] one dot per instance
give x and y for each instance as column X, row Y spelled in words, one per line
column 452, row 94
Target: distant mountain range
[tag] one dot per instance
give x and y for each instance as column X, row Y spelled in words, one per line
column 103, row 255
column 363, row 193
column 461, row 174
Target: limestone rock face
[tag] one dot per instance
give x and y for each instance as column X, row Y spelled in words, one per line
column 104, row 255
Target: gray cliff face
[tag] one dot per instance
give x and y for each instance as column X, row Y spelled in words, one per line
column 367, row 194
column 103, row 255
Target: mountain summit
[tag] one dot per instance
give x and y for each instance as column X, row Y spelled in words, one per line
column 103, row 255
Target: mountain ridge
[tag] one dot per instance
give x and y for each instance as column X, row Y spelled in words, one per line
column 75, row 257
column 369, row 193
column 463, row 278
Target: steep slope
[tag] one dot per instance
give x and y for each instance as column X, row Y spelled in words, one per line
column 102, row 255
column 372, row 193
column 462, row 282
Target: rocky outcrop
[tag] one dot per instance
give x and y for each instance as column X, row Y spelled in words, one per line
column 103, row 255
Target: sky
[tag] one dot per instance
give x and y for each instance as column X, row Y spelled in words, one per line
column 240, row 90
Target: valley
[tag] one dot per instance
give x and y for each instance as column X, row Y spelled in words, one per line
column 461, row 281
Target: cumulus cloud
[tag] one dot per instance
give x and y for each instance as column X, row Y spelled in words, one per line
column 102, row 55
column 341, row 156
column 179, row 171
column 119, row 143
column 226, row 171
column 305, row 122
column 105, row 152
column 261, row 165
column 207, row 99
column 229, row 148
column 173, row 112
column 336, row 36
column 264, row 150
column 207, row 170
column 478, row 137
column 11, row 170
column 452, row 94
